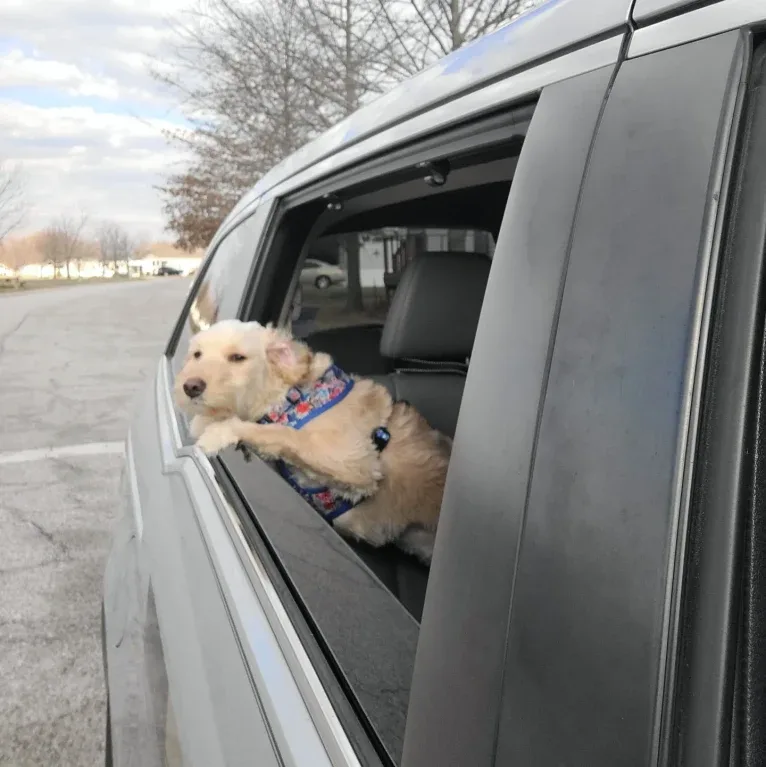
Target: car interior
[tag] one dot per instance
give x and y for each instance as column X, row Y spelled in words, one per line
column 421, row 351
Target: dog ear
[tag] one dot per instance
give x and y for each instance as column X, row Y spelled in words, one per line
column 288, row 358
column 281, row 353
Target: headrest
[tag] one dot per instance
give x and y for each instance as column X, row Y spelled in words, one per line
column 435, row 310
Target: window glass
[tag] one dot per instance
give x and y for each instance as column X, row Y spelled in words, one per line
column 219, row 292
column 349, row 279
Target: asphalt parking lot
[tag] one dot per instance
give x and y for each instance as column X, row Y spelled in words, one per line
column 71, row 363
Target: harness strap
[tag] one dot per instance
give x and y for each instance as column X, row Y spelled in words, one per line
column 300, row 407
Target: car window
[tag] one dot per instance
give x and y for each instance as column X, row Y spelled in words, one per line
column 217, row 294
column 366, row 602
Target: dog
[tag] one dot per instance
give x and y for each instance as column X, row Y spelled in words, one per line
column 373, row 467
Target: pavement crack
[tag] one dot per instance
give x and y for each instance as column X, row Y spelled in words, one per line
column 19, row 515
column 4, row 338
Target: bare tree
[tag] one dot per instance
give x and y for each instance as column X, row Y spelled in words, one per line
column 61, row 243
column 70, row 230
column 52, row 249
column 348, row 54
column 258, row 78
column 197, row 199
column 115, row 247
column 422, row 31
column 241, row 76
column 349, row 61
column 17, row 253
column 12, row 201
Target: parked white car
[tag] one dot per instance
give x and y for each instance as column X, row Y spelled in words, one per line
column 322, row 275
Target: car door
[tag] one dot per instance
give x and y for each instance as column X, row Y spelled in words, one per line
column 557, row 565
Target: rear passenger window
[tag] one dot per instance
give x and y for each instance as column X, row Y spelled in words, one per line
column 218, row 292
column 391, row 285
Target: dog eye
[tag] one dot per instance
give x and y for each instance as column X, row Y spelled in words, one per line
column 237, row 358
column 197, row 355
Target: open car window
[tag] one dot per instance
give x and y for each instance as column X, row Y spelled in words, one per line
column 364, row 604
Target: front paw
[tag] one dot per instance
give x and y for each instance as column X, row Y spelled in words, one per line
column 218, row 436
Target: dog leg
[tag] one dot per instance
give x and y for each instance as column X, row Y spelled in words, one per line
column 368, row 522
column 338, row 462
column 418, row 541
column 217, row 436
column 299, row 448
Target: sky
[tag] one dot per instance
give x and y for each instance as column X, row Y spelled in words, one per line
column 80, row 111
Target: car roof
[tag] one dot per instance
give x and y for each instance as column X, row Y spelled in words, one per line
column 553, row 26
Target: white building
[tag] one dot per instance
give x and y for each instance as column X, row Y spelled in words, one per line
column 87, row 268
column 152, row 261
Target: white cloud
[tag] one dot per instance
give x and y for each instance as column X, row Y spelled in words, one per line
column 80, row 110
column 20, row 70
column 78, row 159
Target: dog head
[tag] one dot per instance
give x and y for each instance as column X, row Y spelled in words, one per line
column 244, row 369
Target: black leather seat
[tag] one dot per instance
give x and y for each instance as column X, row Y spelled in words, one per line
column 429, row 333
column 428, row 336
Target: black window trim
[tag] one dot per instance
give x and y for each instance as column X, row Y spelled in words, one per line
column 479, row 702
column 463, row 135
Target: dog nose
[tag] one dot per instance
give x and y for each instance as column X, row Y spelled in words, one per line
column 194, row 387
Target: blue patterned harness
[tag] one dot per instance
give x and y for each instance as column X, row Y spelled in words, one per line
column 301, row 406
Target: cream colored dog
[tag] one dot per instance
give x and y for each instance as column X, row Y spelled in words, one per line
column 377, row 462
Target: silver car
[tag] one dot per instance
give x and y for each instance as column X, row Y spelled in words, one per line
column 597, row 588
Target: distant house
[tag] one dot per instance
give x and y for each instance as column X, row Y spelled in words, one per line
column 159, row 254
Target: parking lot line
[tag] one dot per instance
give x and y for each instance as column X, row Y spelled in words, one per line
column 63, row 451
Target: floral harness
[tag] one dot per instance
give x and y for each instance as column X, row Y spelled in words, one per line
column 303, row 405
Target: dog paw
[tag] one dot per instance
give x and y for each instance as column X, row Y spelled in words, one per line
column 218, row 436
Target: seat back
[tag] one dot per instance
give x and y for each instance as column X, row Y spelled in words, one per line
column 429, row 332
